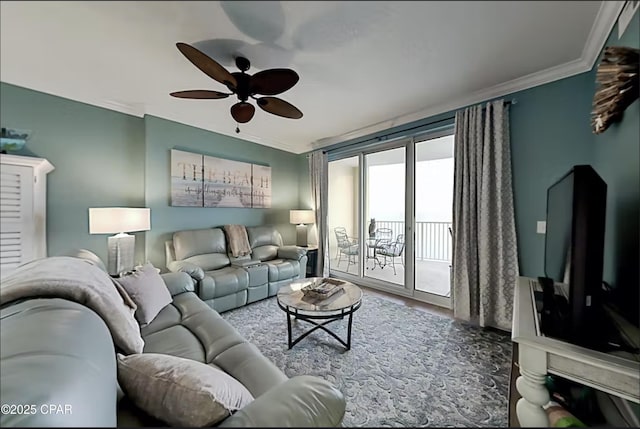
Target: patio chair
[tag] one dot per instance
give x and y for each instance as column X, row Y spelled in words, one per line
column 390, row 252
column 346, row 246
column 382, row 237
column 341, row 230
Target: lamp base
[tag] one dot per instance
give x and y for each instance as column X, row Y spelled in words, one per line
column 301, row 235
column 121, row 254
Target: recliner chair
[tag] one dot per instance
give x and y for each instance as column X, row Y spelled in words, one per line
column 202, row 253
column 285, row 263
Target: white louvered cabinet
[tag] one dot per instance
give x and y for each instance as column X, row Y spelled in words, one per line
column 23, row 205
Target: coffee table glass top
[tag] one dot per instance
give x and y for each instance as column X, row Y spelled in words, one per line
column 291, row 296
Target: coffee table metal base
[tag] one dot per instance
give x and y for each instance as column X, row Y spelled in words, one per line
column 328, row 318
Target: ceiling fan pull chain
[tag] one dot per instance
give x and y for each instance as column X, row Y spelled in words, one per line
column 237, row 128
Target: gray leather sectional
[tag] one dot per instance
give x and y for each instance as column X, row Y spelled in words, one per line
column 58, row 352
column 224, row 282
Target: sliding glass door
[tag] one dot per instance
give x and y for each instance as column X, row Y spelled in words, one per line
column 384, row 215
column 342, row 218
column 433, row 214
column 389, row 217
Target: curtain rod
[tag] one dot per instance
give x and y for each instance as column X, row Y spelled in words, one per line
column 448, row 118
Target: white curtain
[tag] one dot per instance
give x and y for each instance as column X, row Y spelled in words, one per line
column 318, row 167
column 485, row 255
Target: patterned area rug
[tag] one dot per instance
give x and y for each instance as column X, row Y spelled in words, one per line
column 406, row 367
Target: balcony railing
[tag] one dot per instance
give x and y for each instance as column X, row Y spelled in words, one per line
column 432, row 239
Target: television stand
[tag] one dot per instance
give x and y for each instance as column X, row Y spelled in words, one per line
column 539, row 355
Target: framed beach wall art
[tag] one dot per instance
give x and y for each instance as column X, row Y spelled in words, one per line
column 227, row 183
column 186, row 179
column 261, row 190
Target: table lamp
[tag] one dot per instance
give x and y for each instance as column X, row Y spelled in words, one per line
column 119, row 221
column 301, row 218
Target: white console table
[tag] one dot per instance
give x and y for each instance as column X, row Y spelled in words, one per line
column 539, row 355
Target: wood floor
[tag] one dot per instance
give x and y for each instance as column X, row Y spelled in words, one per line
column 419, row 305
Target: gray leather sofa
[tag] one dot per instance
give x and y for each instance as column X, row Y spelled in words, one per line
column 224, row 282
column 59, row 353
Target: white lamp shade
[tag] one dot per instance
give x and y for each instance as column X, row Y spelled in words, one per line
column 113, row 220
column 298, row 217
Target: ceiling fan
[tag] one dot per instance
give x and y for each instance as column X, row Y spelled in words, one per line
column 266, row 82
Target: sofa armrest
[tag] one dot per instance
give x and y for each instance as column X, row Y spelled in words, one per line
column 291, row 252
column 178, row 283
column 302, row 401
column 186, row 267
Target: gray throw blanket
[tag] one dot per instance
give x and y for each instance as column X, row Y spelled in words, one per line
column 81, row 281
column 238, row 240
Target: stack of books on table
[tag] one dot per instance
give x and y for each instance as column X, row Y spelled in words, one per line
column 323, row 289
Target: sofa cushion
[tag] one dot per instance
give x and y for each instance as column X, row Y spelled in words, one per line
column 175, row 341
column 209, row 261
column 264, row 241
column 263, row 236
column 222, row 282
column 280, row 269
column 249, row 366
column 200, row 243
column 147, row 289
column 189, row 328
column 179, row 391
column 265, row 253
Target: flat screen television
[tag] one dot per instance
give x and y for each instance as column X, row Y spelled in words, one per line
column 574, row 252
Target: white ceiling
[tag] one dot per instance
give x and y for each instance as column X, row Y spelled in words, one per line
column 363, row 66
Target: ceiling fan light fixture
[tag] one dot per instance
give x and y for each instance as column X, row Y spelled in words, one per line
column 242, row 112
column 243, row 64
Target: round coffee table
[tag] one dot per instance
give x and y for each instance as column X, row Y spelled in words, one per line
column 292, row 301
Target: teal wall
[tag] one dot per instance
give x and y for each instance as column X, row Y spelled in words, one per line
column 617, row 160
column 104, row 158
column 550, row 132
column 162, row 135
column 98, row 155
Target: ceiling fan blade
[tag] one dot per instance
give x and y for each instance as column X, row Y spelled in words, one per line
column 273, row 81
column 279, row 107
column 199, row 94
column 242, row 112
column 207, row 65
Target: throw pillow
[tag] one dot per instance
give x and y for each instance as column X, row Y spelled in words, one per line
column 148, row 291
column 179, row 391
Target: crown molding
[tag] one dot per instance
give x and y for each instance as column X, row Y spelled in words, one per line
column 137, row 110
column 275, row 144
column 602, row 26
